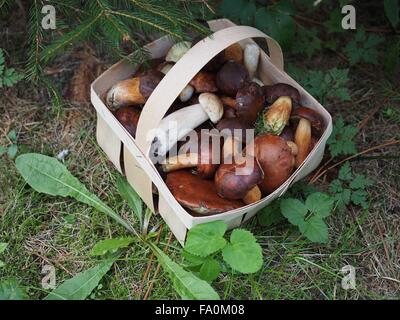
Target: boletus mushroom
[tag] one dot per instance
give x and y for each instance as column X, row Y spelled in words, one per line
column 251, row 58
column 204, row 82
column 276, row 160
column 134, row 91
column 186, row 119
column 231, row 78
column 129, row 118
column 277, row 90
column 277, row 116
column 310, row 124
column 249, row 102
column 197, row 194
column 177, row 51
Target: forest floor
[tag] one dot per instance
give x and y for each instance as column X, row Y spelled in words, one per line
column 42, row 230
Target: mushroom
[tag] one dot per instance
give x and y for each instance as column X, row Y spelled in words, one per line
column 186, row 119
column 197, row 194
column 249, row 102
column 177, row 51
column 310, row 124
column 129, row 118
column 251, row 57
column 239, row 180
column 134, row 91
column 204, row 82
column 231, row 78
column 275, row 158
column 281, row 89
column 206, row 160
column 277, row 115
column 234, row 53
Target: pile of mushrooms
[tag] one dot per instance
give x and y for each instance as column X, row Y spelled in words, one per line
column 225, row 95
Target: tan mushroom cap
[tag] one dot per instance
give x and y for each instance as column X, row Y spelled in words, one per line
column 197, row 194
column 275, row 158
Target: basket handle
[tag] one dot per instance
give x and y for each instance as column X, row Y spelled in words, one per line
column 186, row 68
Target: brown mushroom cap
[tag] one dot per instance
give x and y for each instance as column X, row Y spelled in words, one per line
column 129, row 118
column 231, row 78
column 282, row 89
column 316, row 120
column 231, row 185
column 275, row 158
column 209, row 158
column 197, row 194
column 204, row 82
column 249, row 102
column 228, row 125
column 149, row 81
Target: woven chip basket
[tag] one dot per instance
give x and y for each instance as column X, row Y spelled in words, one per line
column 141, row 173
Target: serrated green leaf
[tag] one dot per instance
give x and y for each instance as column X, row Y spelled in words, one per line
column 81, row 285
column 11, row 290
column 48, row 175
column 270, row 215
column 360, row 182
column 320, row 204
column 345, row 172
column 186, row 284
column 243, row 253
column 205, row 239
column 343, row 198
column 334, row 23
column 294, row 210
column 192, row 260
column 210, row 270
column 335, row 186
column 359, row 197
column 392, row 11
column 131, row 197
column 315, row 229
column 110, row 245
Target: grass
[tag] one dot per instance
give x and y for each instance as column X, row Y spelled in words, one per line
column 44, row 230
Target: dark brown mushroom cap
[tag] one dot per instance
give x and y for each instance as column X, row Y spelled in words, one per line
column 129, row 118
column 149, row 65
column 231, row 78
column 287, row 134
column 228, row 126
column 229, row 112
column 282, row 89
column 234, row 186
column 149, row 81
column 204, row 82
column 316, row 120
column 275, row 158
column 197, row 194
column 249, row 102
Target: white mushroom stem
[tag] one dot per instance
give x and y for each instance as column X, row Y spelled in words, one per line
column 178, row 124
column 181, row 161
column 177, row 51
column 303, row 140
column 251, row 58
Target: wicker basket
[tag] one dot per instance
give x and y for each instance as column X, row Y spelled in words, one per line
column 141, row 173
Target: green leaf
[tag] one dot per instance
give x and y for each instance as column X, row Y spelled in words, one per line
column 232, row 8
column 277, row 24
column 270, row 215
column 110, row 245
column 334, row 23
column 11, row 290
column 3, row 246
column 243, row 253
column 360, row 182
column 192, row 260
column 315, row 229
column 2, row 264
column 48, row 175
column 392, row 11
column 210, row 270
column 320, row 204
column 205, row 239
column 12, row 151
column 359, row 197
column 12, row 135
column 131, row 197
column 186, row 284
column 345, row 173
column 247, row 13
column 81, row 285
column 294, row 210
